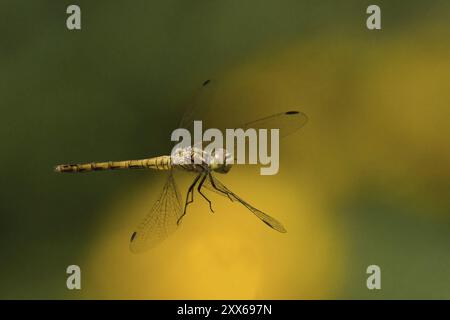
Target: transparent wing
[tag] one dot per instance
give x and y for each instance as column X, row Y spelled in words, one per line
column 206, row 100
column 287, row 122
column 213, row 184
column 195, row 110
column 161, row 221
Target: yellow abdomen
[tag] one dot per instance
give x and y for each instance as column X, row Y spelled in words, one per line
column 156, row 163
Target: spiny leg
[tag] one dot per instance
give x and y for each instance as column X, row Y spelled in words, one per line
column 199, row 189
column 190, row 192
column 215, row 187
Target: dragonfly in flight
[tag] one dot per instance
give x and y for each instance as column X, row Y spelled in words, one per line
column 168, row 211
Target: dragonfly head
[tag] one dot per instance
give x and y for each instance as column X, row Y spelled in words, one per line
column 221, row 161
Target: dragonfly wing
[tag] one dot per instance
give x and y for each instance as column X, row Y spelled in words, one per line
column 206, row 100
column 195, row 110
column 161, row 221
column 287, row 122
column 201, row 102
column 213, row 184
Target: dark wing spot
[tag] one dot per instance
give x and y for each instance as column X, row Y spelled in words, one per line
column 206, row 82
column 268, row 224
column 273, row 227
column 133, row 236
column 292, row 112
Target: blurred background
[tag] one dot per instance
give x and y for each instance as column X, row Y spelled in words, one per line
column 365, row 182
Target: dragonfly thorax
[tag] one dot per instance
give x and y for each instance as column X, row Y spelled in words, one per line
column 197, row 159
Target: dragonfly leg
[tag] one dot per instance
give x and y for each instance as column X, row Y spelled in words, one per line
column 191, row 194
column 199, row 189
column 215, row 187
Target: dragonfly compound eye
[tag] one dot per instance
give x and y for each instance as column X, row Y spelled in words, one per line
column 221, row 161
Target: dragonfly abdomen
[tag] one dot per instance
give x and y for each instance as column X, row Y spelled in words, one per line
column 156, row 163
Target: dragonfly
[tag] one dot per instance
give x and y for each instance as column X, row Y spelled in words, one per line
column 168, row 211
